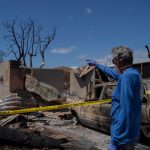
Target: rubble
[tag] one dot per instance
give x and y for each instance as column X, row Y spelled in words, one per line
column 32, row 139
column 46, row 91
column 57, row 129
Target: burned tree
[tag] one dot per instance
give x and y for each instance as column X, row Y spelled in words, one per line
column 16, row 40
column 2, row 54
column 33, row 39
column 44, row 45
column 25, row 41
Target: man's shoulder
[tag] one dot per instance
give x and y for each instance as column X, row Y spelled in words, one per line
column 130, row 73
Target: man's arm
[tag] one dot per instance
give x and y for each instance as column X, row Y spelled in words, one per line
column 112, row 73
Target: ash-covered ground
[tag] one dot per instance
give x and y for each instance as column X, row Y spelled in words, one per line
column 62, row 125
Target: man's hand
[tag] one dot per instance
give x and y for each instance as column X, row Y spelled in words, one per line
column 91, row 62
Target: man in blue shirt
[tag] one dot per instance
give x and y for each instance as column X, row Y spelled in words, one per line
column 126, row 99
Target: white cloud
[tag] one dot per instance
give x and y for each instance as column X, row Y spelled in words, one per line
column 82, row 59
column 88, row 11
column 106, row 60
column 139, row 57
column 73, row 67
column 83, row 56
column 62, row 50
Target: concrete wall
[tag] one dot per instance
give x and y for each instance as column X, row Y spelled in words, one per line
column 16, row 77
column 59, row 78
column 12, row 77
column 4, row 78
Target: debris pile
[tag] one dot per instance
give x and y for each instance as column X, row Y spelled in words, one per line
column 38, row 129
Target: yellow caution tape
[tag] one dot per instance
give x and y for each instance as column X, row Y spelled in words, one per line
column 54, row 107
column 147, row 92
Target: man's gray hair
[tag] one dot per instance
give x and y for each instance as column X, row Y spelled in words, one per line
column 123, row 54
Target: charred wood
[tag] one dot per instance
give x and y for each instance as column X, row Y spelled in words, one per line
column 26, row 138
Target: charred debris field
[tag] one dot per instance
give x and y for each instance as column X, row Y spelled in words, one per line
column 57, row 130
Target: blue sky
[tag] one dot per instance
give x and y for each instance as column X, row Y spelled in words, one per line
column 85, row 28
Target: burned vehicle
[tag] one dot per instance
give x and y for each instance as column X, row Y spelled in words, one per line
column 94, row 85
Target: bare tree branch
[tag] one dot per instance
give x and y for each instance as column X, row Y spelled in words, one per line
column 2, row 54
column 44, row 45
column 25, row 40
